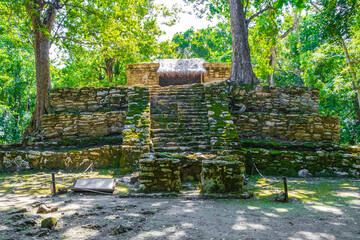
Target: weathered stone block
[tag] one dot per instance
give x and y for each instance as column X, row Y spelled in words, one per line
column 221, row 176
column 164, row 175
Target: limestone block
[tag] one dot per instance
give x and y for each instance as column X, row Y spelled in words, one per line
column 159, row 173
column 219, row 176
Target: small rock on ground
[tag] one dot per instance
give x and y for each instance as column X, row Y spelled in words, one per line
column 49, row 223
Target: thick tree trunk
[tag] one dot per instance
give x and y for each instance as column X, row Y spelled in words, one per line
column 42, row 19
column 241, row 68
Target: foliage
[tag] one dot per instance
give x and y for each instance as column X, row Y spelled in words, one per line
column 17, row 91
column 117, row 33
column 213, row 44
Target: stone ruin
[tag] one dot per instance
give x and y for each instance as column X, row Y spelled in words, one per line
column 207, row 132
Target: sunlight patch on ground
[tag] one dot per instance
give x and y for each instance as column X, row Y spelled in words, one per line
column 312, row 236
column 187, row 225
column 38, row 183
column 3, row 227
column 257, row 226
column 253, row 208
column 348, row 186
column 348, row 194
column 173, row 231
column 79, row 233
column 281, row 210
column 189, row 210
column 303, row 194
column 337, row 223
column 328, row 209
column 270, row 214
column 159, row 204
column 242, row 224
column 354, row 202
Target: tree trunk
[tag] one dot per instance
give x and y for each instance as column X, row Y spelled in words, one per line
column 42, row 20
column 241, row 68
column 42, row 66
column 353, row 75
column 109, row 62
column 356, row 108
column 272, row 64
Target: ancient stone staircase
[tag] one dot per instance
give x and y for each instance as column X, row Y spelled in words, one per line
column 179, row 119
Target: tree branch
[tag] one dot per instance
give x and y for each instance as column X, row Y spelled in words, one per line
column 49, row 18
column 257, row 14
column 246, row 7
column 84, row 9
column 296, row 71
column 59, row 26
column 316, row 7
column 78, row 41
column 292, row 28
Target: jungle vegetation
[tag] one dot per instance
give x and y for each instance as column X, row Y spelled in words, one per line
column 73, row 43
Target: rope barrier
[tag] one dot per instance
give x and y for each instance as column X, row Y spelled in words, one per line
column 268, row 181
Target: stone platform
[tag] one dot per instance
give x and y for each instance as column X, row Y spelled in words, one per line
column 275, row 129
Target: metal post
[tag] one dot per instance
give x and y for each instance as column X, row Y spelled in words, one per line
column 53, row 186
column 286, row 197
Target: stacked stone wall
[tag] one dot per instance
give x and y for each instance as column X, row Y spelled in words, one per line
column 88, row 99
column 281, row 114
column 136, row 134
column 259, row 98
column 223, row 134
column 159, row 173
column 100, row 157
column 60, row 126
column 223, row 176
column 288, row 163
column 165, row 172
column 287, row 127
column 85, row 112
column 145, row 74
column 216, row 72
column 142, row 74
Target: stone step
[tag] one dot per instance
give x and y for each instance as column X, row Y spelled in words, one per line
column 177, row 89
column 183, row 138
column 192, row 107
column 180, row 126
column 197, row 94
column 182, row 149
column 181, row 141
column 179, row 130
column 172, row 149
column 202, row 111
column 192, row 117
column 176, row 137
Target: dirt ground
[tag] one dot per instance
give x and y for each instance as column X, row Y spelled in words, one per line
column 326, row 208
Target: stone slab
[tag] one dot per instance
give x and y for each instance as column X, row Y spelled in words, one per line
column 94, row 185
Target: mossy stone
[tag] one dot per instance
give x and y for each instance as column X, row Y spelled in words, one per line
column 271, row 171
column 49, row 223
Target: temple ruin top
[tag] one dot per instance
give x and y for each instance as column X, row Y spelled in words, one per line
column 165, row 72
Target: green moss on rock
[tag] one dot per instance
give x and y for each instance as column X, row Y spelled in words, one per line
column 49, row 223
